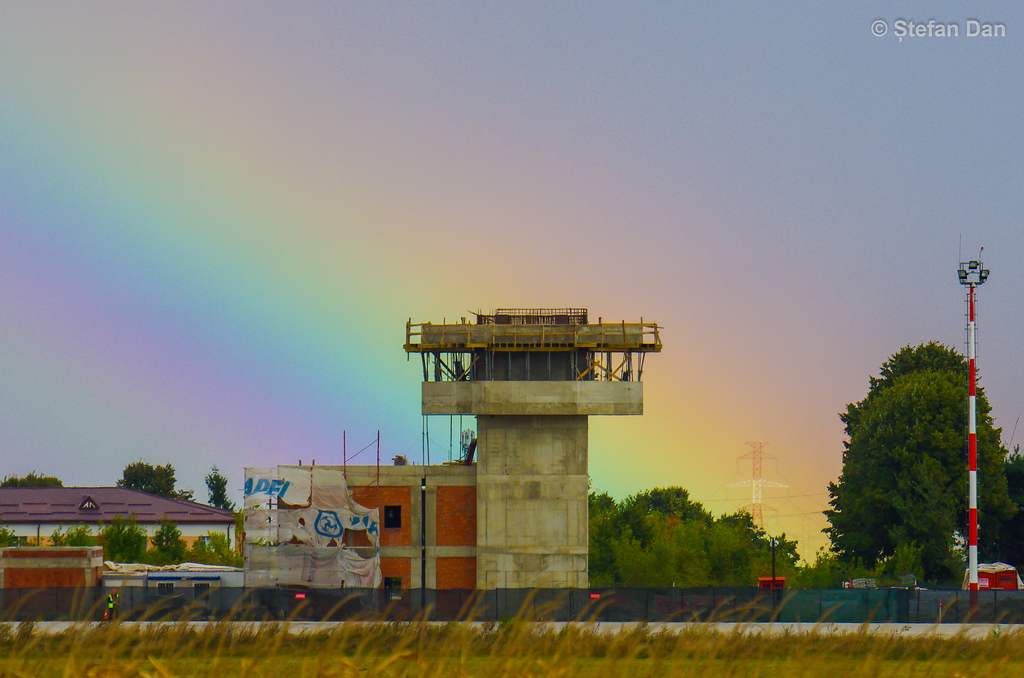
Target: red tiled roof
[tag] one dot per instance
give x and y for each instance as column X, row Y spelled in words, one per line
column 61, row 505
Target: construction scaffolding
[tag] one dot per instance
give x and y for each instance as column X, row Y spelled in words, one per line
column 543, row 344
column 300, row 527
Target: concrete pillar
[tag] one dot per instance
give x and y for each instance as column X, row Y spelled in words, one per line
column 532, row 488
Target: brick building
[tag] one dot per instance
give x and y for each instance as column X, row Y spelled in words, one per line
column 512, row 517
column 438, row 552
column 53, row 566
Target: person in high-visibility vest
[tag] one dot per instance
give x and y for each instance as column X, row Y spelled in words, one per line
column 113, row 603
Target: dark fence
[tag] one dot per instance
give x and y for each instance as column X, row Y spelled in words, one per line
column 615, row 605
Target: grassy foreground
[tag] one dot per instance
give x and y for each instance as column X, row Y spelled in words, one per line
column 511, row 649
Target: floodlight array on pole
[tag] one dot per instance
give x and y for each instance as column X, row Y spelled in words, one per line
column 971, row 274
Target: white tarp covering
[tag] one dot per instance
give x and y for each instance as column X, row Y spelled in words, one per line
column 301, row 541
column 296, row 565
column 132, row 568
column 257, row 487
column 322, row 527
column 260, row 525
column 330, row 489
column 297, row 485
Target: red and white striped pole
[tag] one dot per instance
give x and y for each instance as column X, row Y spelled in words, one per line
column 972, row 455
column 972, row 274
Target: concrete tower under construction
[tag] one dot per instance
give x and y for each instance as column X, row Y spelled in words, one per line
column 532, row 377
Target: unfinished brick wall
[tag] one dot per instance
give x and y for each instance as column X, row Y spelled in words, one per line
column 456, row 573
column 389, row 496
column 456, row 516
column 398, row 567
column 42, row 567
column 17, row 578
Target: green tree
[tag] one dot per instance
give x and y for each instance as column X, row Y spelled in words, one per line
column 7, row 536
column 1009, row 533
column 634, row 525
column 31, row 480
column 239, row 529
column 168, row 546
column 662, row 538
column 667, row 501
column 661, row 501
column 124, row 540
column 158, row 480
column 823, row 573
column 217, row 485
column 904, row 478
column 604, row 532
column 740, row 551
column 75, row 535
column 215, row 549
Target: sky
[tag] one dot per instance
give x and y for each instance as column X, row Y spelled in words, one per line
column 216, row 219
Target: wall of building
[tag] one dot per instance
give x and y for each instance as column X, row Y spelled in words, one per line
column 371, row 497
column 561, row 398
column 40, row 534
column 448, row 493
column 516, row 519
column 184, row 579
column 456, row 573
column 50, row 567
column 532, row 502
column 456, row 515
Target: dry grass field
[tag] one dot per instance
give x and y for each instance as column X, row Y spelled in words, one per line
column 226, row 650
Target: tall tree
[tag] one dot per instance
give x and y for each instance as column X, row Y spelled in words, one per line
column 215, row 549
column 217, row 486
column 904, row 478
column 7, row 536
column 123, row 540
column 168, row 546
column 616, row 527
column 661, row 501
column 1010, row 533
column 661, row 537
column 75, row 535
column 604, row 531
column 158, row 480
column 31, row 480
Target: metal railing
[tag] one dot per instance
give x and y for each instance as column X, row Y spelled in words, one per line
column 427, row 337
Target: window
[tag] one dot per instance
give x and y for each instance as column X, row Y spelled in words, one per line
column 201, row 588
column 393, row 583
column 165, row 589
column 19, row 541
column 392, row 517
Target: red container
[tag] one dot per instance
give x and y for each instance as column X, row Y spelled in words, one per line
column 766, row 583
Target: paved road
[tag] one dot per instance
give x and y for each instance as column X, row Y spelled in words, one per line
column 941, row 630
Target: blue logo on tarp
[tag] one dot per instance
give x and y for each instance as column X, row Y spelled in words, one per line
column 364, row 523
column 271, row 488
column 327, row 524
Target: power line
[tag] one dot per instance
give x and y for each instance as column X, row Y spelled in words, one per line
column 776, row 496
